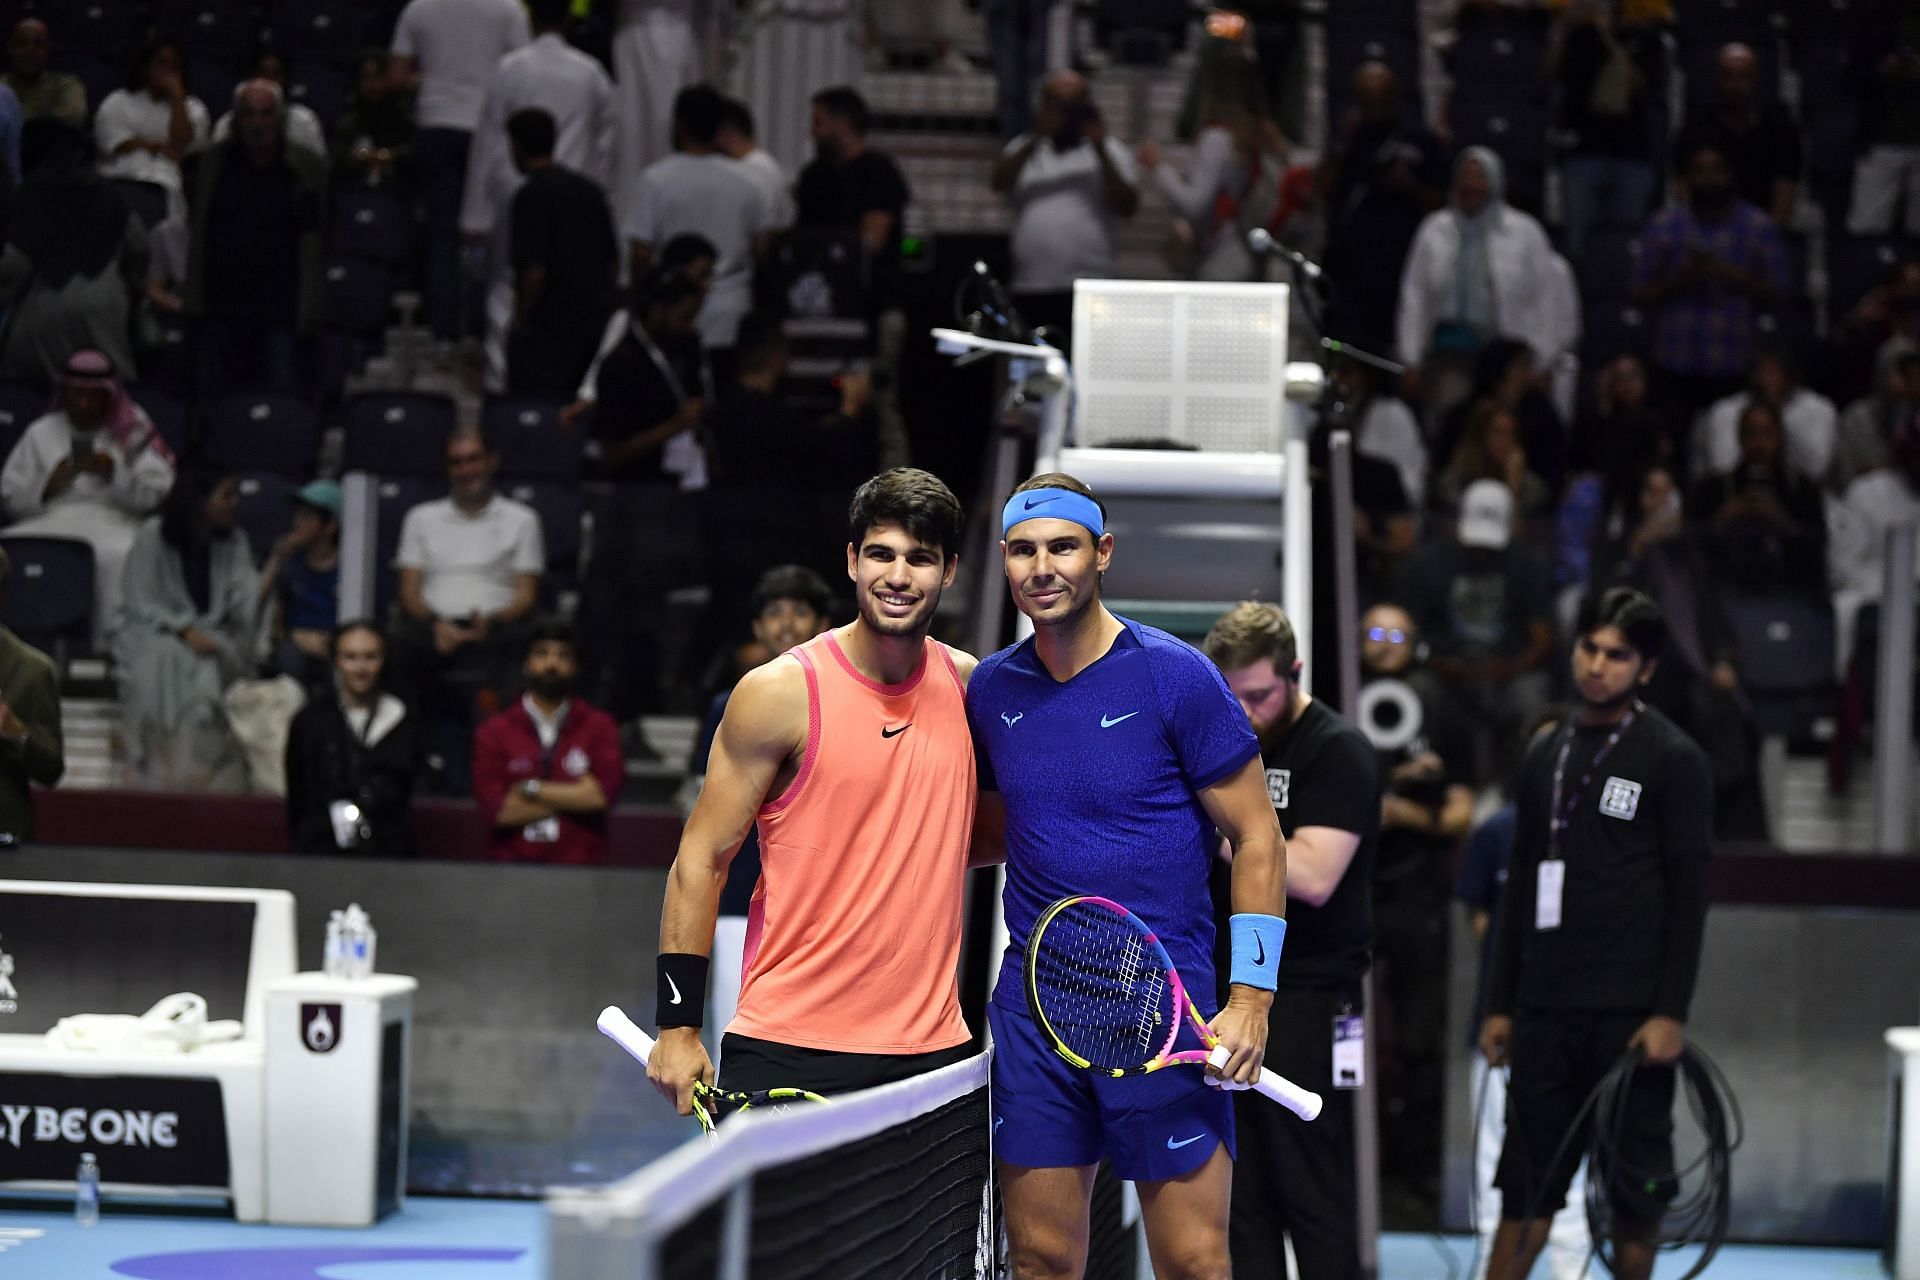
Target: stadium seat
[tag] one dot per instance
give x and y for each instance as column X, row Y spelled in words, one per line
column 356, row 294
column 257, row 432
column 101, row 28
column 1612, row 329
column 1498, row 54
column 100, row 73
column 398, row 433
column 49, row 596
column 1606, row 264
column 223, row 31
column 20, row 404
column 532, row 443
column 213, row 79
column 145, row 200
column 265, row 510
column 1517, row 132
column 558, row 504
column 375, row 223
column 1855, row 266
column 322, row 86
column 325, row 29
column 169, row 416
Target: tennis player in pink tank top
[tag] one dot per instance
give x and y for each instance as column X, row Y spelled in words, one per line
column 853, row 755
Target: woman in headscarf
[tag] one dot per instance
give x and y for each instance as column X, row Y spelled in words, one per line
column 92, row 467
column 1479, row 269
column 188, row 627
column 75, row 261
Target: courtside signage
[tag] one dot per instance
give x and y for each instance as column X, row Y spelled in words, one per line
column 145, row 1129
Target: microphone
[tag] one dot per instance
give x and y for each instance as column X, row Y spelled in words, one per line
column 1261, row 244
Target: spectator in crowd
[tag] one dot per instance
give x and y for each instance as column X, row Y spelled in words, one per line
column 552, row 76
column 351, row 756
column 1382, row 178
column 302, row 576
column 1423, row 745
column 1607, row 167
column 759, row 439
column 1620, row 438
column 1238, row 174
column 1708, row 264
column 1757, row 134
column 828, row 37
column 656, row 54
column 548, row 768
column 1067, row 182
column 1873, row 506
column 74, row 265
column 648, row 391
column 300, row 125
column 373, row 138
column 1492, row 450
column 470, row 568
column 851, row 186
column 1017, row 40
column 255, row 269
column 1867, row 427
column 691, row 254
column 145, row 128
column 447, row 50
column 188, row 627
column 1482, row 601
column 736, row 141
column 1385, row 523
column 1809, row 418
column 565, row 261
column 1762, row 523
column 91, row 468
column 1886, row 75
column 1478, row 270
column 790, row 606
column 699, row 189
column 43, row 93
column 1886, row 318
column 31, row 746
column 1383, row 426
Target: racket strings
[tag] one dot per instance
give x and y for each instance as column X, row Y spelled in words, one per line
column 1102, row 987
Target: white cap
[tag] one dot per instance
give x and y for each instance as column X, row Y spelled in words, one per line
column 1486, row 515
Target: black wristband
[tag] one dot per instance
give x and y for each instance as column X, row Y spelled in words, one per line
column 681, row 1000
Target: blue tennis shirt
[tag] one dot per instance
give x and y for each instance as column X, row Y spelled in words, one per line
column 1101, row 776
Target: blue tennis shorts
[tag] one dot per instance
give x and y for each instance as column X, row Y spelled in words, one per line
column 1050, row 1114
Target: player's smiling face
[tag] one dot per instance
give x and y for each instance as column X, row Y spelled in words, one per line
column 898, row 580
column 1054, row 568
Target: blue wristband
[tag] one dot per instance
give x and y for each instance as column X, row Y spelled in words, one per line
column 1256, row 949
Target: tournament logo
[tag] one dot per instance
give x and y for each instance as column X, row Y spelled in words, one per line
column 8, row 996
column 1620, row 799
column 1279, row 784
column 576, row 764
column 320, row 1027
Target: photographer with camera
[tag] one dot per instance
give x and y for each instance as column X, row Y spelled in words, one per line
column 1067, row 182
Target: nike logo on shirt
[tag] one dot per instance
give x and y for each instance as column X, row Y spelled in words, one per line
column 1106, row 723
column 671, row 986
column 894, row 733
column 1184, row 1142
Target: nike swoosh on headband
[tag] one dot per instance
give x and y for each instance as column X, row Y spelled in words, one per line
column 1031, row 503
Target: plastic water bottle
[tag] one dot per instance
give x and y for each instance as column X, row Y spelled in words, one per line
column 86, row 1191
column 359, row 938
column 333, row 962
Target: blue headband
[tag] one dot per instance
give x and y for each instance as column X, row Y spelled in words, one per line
column 1052, row 504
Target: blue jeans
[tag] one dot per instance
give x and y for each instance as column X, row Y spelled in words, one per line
column 440, row 168
column 1603, row 191
column 1017, row 39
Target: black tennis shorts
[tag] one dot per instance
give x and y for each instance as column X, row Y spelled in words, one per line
column 749, row 1065
column 1558, row 1057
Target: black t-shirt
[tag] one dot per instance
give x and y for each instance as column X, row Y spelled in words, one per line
column 1476, row 602
column 1320, row 773
column 1441, row 726
column 561, row 223
column 634, row 394
column 1770, row 151
column 1370, row 226
column 256, row 217
column 837, row 196
column 1634, row 902
column 1621, row 137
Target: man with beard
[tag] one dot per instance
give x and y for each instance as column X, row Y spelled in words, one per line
column 851, row 753
column 1423, row 745
column 1117, row 752
column 547, row 769
column 1598, row 943
column 1295, row 1179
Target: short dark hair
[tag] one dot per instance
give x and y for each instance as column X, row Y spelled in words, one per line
column 1061, row 480
column 549, row 15
column 761, row 334
column 1635, row 615
column 664, row 285
column 142, row 58
column 342, row 630
column 845, row 103
column 697, row 110
column 737, row 116
column 792, row 582
column 688, row 246
column 549, row 628
column 532, row 131
column 918, row 501
column 1692, row 145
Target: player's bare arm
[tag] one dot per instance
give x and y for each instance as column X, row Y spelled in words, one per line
column 756, row 751
column 989, row 846
column 1243, row 812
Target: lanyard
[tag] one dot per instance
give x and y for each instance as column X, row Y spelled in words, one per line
column 1563, row 813
column 661, row 363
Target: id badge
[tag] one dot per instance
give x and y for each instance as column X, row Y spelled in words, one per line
column 1349, row 1050
column 1546, row 898
column 545, row 831
column 345, row 817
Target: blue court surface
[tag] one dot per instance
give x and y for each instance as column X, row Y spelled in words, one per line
column 503, row 1240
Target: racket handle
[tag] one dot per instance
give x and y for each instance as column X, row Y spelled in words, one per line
column 619, row 1028
column 1304, row 1103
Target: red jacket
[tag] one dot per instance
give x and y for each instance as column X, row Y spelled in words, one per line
column 507, row 751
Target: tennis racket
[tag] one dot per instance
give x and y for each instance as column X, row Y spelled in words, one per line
column 1104, row 994
column 710, row 1105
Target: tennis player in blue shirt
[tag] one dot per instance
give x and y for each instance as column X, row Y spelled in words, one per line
column 1118, row 752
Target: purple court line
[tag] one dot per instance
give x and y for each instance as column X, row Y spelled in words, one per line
column 288, row 1264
